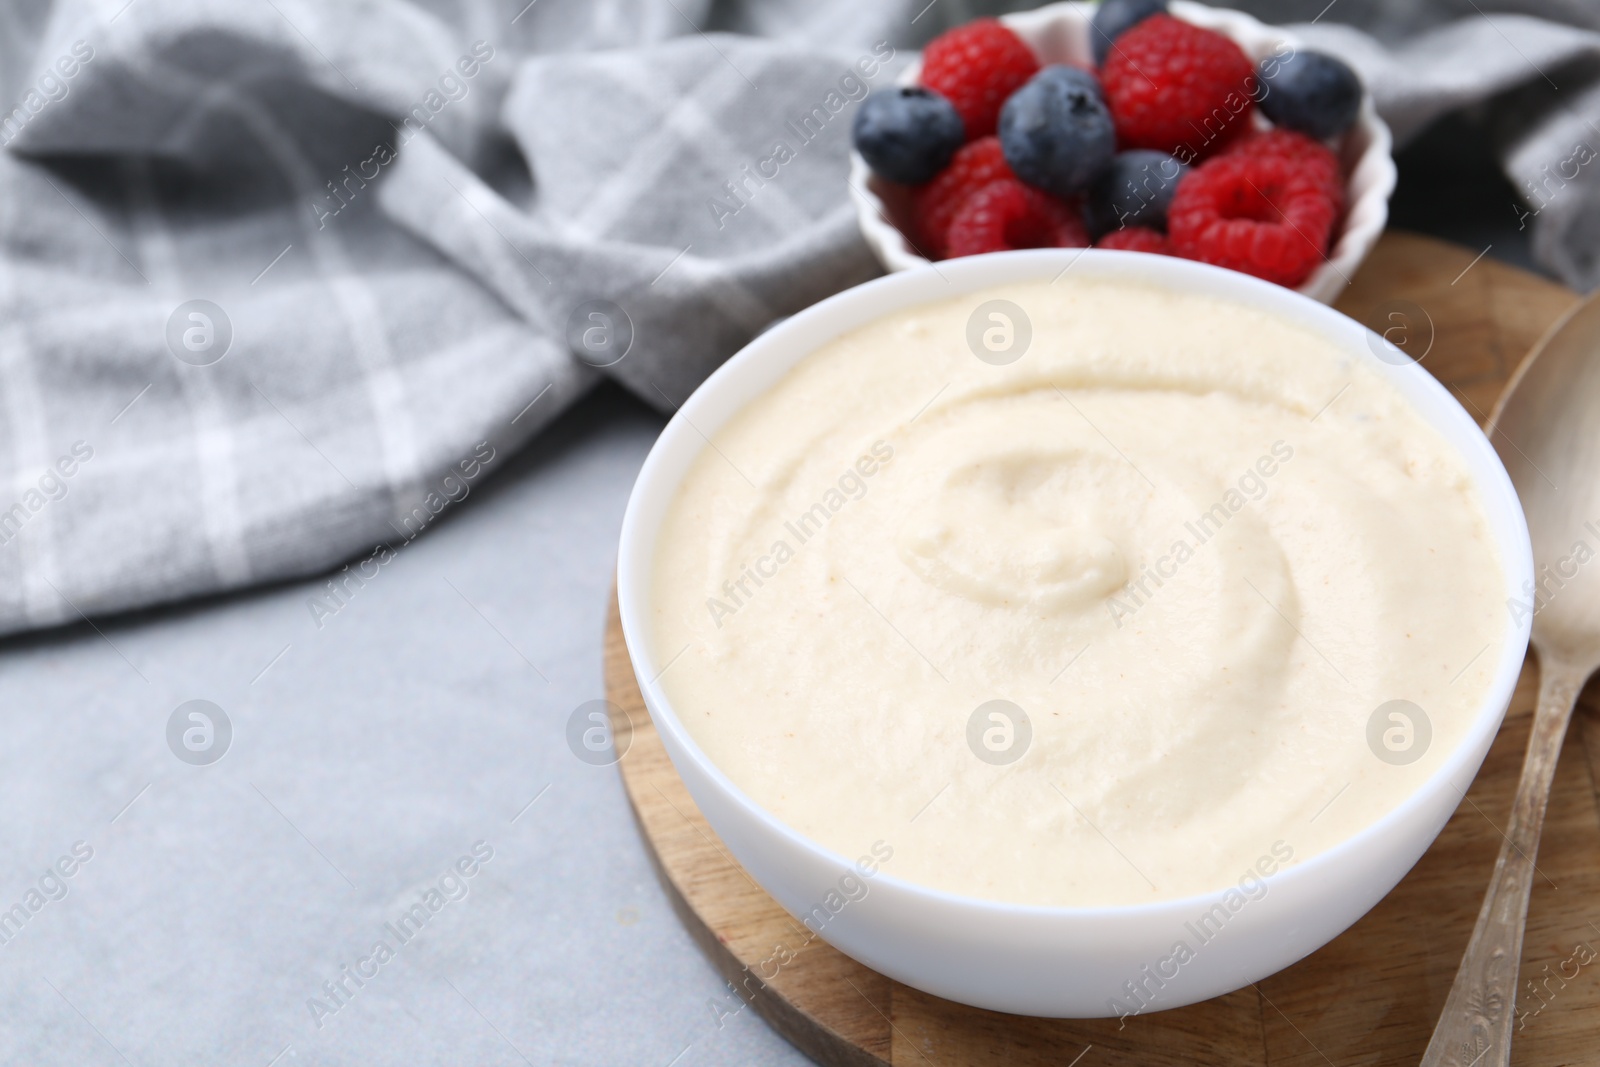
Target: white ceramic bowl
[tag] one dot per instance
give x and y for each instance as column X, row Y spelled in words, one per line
column 1057, row 961
column 1059, row 33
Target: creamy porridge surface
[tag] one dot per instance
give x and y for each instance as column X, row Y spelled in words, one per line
column 1195, row 545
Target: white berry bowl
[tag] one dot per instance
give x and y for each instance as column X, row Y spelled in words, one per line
column 1059, row 33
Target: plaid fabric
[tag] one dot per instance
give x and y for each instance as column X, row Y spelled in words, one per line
column 276, row 277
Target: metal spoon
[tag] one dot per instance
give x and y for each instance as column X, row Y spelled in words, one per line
column 1546, row 429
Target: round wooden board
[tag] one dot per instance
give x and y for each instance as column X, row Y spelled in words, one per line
column 1371, row 996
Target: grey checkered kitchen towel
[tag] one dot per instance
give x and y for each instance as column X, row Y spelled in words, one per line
column 280, row 280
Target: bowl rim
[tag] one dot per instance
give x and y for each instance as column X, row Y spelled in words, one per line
column 1365, row 217
column 852, row 308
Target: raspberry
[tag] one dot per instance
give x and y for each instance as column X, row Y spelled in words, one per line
column 1135, row 239
column 1265, row 215
column 975, row 67
column 1297, row 147
column 1007, row 214
column 975, row 165
column 1178, row 88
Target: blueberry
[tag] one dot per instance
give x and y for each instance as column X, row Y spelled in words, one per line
column 1134, row 191
column 1309, row 91
column 1115, row 17
column 907, row 134
column 1056, row 132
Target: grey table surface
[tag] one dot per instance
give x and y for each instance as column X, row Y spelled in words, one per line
column 367, row 756
column 220, row 905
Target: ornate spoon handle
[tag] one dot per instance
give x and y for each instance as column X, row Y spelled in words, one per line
column 1475, row 1028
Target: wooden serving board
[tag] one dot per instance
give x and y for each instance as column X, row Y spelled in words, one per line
column 1372, row 995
